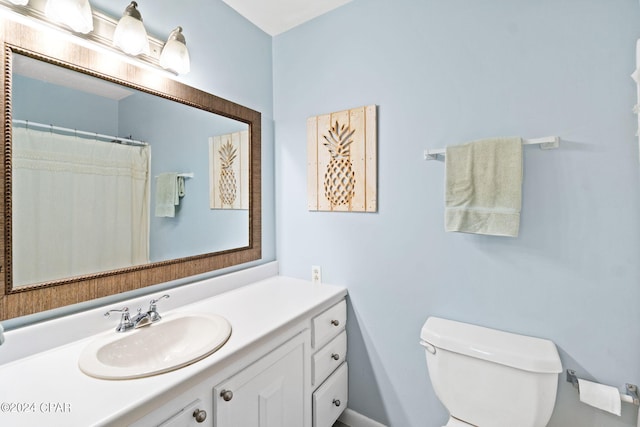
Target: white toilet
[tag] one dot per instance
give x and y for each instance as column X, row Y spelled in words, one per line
column 490, row 378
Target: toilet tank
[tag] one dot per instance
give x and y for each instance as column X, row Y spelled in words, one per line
column 487, row 377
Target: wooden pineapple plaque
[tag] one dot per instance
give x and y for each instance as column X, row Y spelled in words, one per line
column 342, row 161
column 229, row 171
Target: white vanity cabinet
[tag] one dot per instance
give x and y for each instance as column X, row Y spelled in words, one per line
column 269, row 393
column 329, row 366
column 300, row 383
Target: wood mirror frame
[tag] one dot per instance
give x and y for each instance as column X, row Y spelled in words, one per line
column 69, row 52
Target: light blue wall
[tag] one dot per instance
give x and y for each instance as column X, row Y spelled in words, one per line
column 445, row 72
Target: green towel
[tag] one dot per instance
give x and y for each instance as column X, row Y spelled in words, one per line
column 167, row 194
column 483, row 189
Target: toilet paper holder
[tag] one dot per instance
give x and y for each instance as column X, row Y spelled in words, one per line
column 630, row 397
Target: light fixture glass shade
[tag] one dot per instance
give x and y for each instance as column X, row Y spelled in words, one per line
column 175, row 55
column 20, row 2
column 75, row 14
column 130, row 35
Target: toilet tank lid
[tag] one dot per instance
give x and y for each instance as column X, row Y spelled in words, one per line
column 518, row 351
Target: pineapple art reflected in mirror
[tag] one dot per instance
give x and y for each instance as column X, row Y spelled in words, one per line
column 341, row 161
column 229, row 171
column 227, row 184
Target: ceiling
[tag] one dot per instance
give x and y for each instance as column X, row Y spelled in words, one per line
column 277, row 16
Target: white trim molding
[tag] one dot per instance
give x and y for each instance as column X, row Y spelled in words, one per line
column 356, row 419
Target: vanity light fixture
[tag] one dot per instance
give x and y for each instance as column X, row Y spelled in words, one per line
column 130, row 35
column 75, row 14
column 125, row 36
column 175, row 55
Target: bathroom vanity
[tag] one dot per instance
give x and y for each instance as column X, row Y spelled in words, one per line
column 283, row 365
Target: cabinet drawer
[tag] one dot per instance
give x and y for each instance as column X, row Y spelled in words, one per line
column 329, row 358
column 331, row 398
column 328, row 324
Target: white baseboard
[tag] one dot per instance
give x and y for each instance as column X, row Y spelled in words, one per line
column 356, row 419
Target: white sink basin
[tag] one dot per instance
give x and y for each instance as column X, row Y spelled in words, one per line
column 172, row 343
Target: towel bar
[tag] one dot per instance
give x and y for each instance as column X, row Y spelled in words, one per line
column 630, row 397
column 546, row 143
column 183, row 175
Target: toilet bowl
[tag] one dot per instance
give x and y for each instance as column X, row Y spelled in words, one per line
column 490, row 378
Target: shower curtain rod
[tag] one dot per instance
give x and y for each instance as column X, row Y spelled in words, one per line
column 109, row 138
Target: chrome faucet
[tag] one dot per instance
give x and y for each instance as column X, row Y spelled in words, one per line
column 126, row 322
column 139, row 320
column 151, row 316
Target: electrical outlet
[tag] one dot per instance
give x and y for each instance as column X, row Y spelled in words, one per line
column 316, row 274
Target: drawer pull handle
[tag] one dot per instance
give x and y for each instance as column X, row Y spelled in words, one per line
column 336, row 402
column 199, row 415
column 335, row 356
column 226, row 395
column 335, row 322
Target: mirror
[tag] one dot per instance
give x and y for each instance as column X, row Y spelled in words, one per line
column 68, row 192
column 58, row 90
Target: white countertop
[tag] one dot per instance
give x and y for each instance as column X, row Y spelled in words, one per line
column 48, row 388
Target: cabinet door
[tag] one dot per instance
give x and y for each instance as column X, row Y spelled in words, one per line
column 269, row 393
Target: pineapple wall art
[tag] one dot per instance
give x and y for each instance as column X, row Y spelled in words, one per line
column 229, row 171
column 341, row 161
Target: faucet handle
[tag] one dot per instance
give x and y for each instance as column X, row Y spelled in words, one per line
column 124, row 311
column 154, row 301
column 154, row 316
column 125, row 321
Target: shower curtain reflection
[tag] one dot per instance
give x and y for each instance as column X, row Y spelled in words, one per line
column 62, row 187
